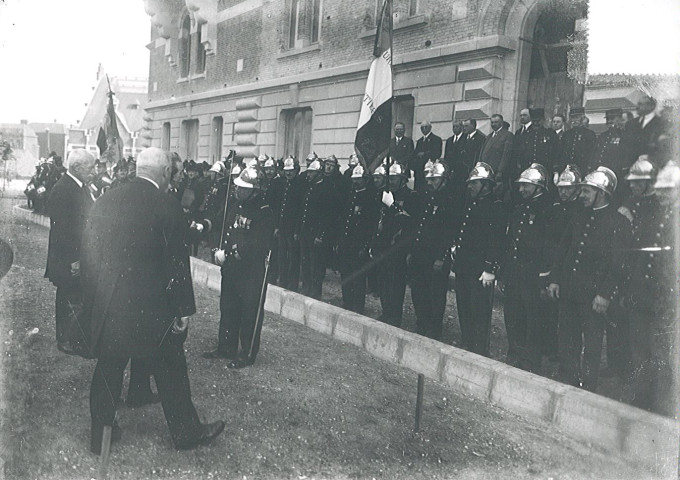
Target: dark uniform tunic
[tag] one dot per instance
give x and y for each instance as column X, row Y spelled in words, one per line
column 247, row 241
column 589, row 262
column 576, row 147
column 285, row 199
column 521, row 272
column 560, row 217
column 616, row 149
column 390, row 249
column 651, row 289
column 478, row 248
column 536, row 145
column 316, row 222
column 360, row 222
column 437, row 223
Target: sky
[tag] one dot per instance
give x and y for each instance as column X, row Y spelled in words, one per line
column 50, row 49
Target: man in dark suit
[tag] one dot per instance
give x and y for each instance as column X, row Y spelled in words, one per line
column 428, row 147
column 650, row 127
column 401, row 146
column 497, row 151
column 454, row 151
column 473, row 143
column 68, row 205
column 533, row 142
column 576, row 144
column 138, row 296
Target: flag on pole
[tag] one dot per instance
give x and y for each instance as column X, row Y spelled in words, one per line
column 108, row 140
column 372, row 141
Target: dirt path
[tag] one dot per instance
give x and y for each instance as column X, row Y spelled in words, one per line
column 311, row 408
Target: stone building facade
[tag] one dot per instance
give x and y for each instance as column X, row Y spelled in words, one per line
column 287, row 76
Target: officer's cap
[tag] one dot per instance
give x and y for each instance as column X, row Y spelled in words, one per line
column 570, row 176
column 642, row 169
column 482, row 171
column 603, row 179
column 536, row 174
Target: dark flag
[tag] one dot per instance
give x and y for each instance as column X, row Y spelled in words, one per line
column 108, row 139
column 372, row 142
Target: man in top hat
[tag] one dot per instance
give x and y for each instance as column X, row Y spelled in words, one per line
column 587, row 277
column 477, row 251
column 428, row 147
column 577, row 144
column 524, row 261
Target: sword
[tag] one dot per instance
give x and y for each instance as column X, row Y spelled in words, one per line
column 261, row 304
column 224, row 217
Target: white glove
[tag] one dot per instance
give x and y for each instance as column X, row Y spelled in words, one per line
column 487, row 279
column 388, row 198
column 220, row 257
column 180, row 325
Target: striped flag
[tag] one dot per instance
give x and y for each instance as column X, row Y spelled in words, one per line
column 108, row 140
column 372, row 142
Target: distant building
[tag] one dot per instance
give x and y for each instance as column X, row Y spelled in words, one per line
column 25, row 148
column 129, row 100
column 51, row 138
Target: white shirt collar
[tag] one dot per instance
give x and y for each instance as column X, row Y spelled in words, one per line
column 557, row 132
column 149, row 180
column 428, row 134
column 647, row 118
column 78, row 182
column 472, row 134
column 527, row 125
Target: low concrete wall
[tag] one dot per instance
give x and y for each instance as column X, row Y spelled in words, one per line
column 638, row 436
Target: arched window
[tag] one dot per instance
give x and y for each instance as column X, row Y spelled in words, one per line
column 200, row 53
column 185, row 47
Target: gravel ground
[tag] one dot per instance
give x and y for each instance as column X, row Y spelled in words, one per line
column 311, row 407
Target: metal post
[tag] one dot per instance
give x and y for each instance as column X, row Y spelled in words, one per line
column 419, row 401
column 106, row 450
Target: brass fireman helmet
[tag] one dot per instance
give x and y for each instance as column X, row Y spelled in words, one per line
column 570, row 177
column 642, row 169
column 536, row 174
column 438, row 170
column 262, row 158
column 289, row 163
column 396, row 169
column 603, row 179
column 315, row 165
column 669, row 176
column 482, row 171
column 249, row 178
column 380, row 170
column 236, row 169
column 269, row 163
column 311, row 157
column 358, row 172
